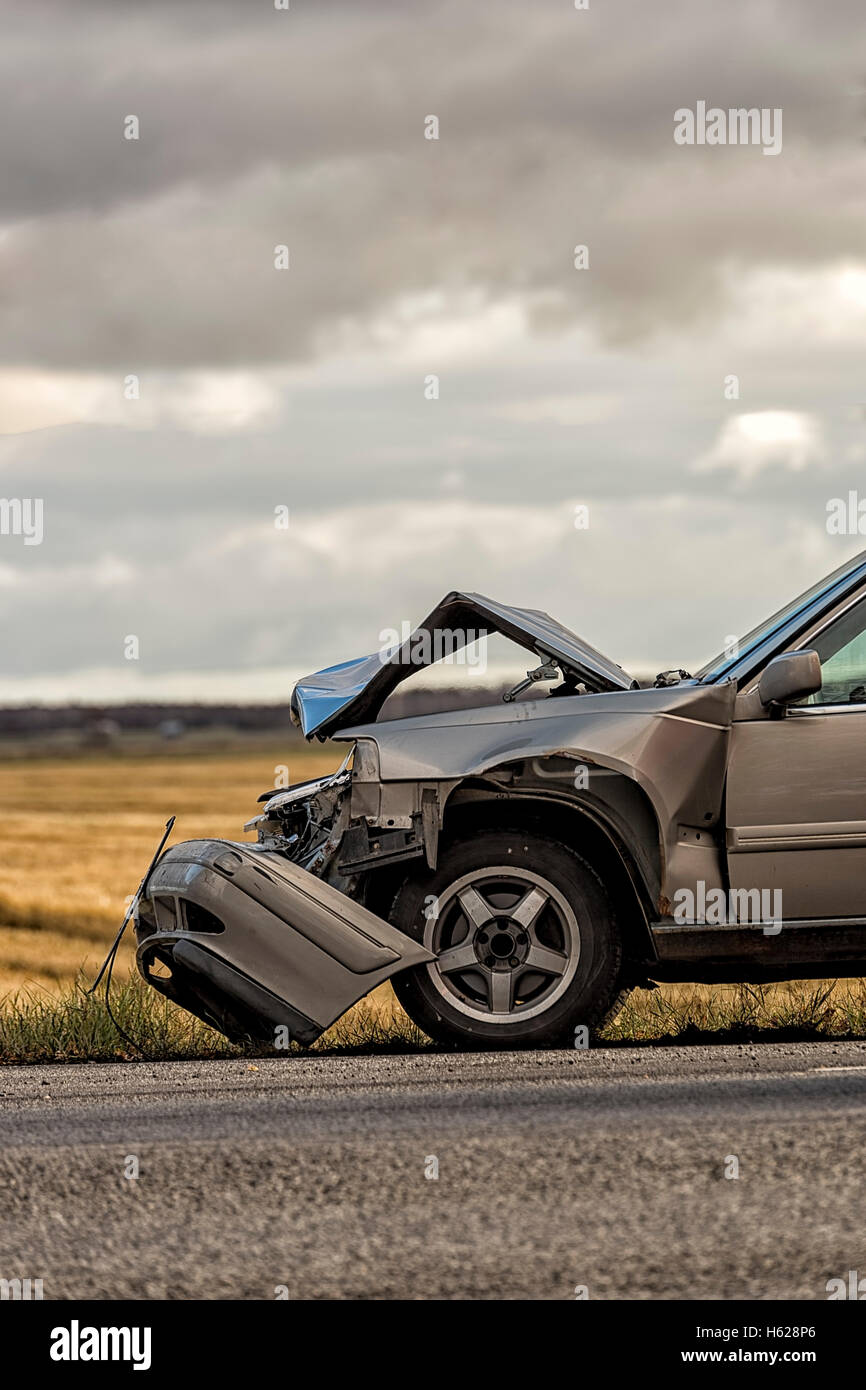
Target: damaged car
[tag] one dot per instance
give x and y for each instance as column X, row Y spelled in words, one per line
column 517, row 869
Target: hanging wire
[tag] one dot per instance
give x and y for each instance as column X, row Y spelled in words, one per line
column 107, row 967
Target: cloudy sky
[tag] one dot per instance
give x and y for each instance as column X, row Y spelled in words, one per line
column 261, row 388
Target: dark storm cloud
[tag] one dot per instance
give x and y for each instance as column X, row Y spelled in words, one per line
column 260, row 127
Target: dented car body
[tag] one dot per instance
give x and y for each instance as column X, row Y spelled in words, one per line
column 517, row 868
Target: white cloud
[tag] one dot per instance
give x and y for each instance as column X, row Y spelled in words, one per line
column 200, row 402
column 771, row 306
column 748, row 444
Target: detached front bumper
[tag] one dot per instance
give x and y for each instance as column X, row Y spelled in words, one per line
column 252, row 943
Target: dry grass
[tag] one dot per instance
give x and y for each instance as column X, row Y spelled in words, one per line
column 690, row 1013
column 72, row 1026
column 78, row 833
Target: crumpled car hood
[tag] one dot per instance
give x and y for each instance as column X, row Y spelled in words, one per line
column 354, row 691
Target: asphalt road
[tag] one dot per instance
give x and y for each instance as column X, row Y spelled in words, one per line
column 555, row 1170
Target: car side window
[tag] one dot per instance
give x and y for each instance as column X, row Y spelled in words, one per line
column 842, row 651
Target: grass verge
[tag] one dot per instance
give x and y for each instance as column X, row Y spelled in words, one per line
column 73, row 1026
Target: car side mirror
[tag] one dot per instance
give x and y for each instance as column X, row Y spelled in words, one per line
column 790, row 677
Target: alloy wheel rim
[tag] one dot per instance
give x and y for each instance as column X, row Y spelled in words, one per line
column 507, row 944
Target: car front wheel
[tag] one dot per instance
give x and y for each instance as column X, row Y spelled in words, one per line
column 525, row 938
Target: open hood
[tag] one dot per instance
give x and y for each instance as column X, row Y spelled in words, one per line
column 354, row 691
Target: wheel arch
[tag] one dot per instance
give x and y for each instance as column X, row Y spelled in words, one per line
column 613, row 826
column 584, row 829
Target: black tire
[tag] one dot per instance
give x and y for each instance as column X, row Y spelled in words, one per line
column 470, row 1003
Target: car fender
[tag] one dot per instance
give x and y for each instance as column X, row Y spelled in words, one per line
column 672, row 742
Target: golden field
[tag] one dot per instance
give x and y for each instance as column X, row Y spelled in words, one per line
column 78, row 832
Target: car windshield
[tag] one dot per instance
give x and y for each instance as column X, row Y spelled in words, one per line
column 720, row 665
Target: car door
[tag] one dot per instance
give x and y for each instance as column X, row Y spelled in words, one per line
column 796, row 787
